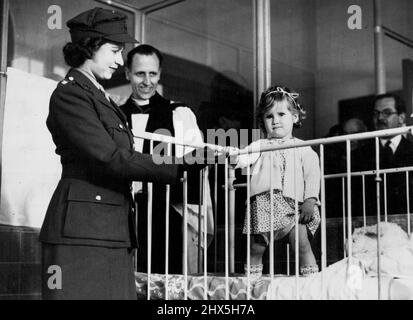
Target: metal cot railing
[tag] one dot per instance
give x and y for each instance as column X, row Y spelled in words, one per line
column 230, row 210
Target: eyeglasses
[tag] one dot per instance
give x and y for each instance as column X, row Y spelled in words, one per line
column 386, row 113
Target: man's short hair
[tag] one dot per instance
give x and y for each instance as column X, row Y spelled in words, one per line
column 399, row 103
column 143, row 49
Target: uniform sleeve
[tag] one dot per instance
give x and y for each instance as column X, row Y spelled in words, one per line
column 186, row 129
column 311, row 172
column 73, row 116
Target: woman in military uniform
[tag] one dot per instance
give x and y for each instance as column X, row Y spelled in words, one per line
column 88, row 232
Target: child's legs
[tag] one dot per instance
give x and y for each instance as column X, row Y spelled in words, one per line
column 305, row 252
column 257, row 249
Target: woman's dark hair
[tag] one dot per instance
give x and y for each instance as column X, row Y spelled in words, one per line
column 277, row 94
column 76, row 53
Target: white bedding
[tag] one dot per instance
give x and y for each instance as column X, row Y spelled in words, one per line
column 359, row 281
column 340, row 285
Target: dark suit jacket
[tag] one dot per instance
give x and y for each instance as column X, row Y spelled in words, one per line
column 92, row 204
column 365, row 159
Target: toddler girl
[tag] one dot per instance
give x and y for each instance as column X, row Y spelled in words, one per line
column 295, row 175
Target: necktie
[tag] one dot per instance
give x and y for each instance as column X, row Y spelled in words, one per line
column 105, row 93
column 387, row 155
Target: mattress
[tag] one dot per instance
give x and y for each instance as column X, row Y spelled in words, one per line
column 338, row 285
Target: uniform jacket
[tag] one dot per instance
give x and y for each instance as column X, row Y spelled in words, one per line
column 92, row 203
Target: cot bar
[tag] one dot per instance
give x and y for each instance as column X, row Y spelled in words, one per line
column 168, row 190
column 323, row 226
column 349, row 226
column 364, row 199
column 149, row 229
column 315, row 142
column 385, row 197
column 296, row 244
column 204, row 211
column 231, row 199
column 200, row 211
column 248, row 233
column 286, row 145
column 408, row 202
column 369, row 172
column 378, row 181
column 353, row 174
column 185, row 227
column 288, row 259
column 271, row 218
column 215, row 216
column 343, row 188
column 226, row 233
column 168, row 197
column 173, row 140
column 136, row 208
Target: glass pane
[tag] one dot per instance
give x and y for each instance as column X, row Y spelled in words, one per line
column 317, row 52
column 208, row 59
column 37, row 42
column 395, row 52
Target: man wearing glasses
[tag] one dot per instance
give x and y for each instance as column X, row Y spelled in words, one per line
column 389, row 112
column 395, row 152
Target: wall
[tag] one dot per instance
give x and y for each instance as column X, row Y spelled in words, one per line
column 313, row 51
column 20, row 263
column 345, row 58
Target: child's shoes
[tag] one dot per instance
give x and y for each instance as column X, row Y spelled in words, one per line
column 255, row 271
column 308, row 270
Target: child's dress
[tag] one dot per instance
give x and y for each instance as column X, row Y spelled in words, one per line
column 283, row 209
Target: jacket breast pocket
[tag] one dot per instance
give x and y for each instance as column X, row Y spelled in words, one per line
column 95, row 213
column 119, row 134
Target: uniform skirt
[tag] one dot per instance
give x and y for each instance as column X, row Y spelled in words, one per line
column 76, row 272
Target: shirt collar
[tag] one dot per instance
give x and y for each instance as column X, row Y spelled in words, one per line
column 91, row 77
column 394, row 142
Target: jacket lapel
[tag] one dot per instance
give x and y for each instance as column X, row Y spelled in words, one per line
column 110, row 104
column 99, row 95
column 400, row 153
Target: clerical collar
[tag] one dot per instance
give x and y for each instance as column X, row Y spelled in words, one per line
column 140, row 102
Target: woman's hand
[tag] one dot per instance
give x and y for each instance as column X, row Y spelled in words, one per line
column 307, row 210
column 232, row 153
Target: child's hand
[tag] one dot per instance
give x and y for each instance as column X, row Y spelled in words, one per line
column 307, row 210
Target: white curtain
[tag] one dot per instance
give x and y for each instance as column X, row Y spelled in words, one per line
column 30, row 167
